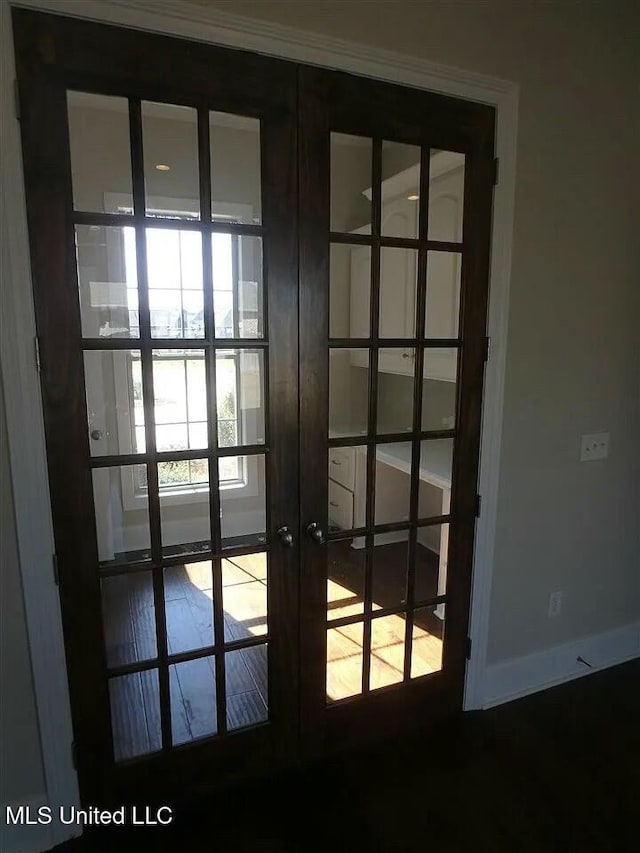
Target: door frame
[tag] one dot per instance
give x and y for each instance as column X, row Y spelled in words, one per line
column 17, row 359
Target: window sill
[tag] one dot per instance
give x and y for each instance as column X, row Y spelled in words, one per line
column 180, row 497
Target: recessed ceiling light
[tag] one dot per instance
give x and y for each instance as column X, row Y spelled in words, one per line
column 162, row 167
column 412, row 197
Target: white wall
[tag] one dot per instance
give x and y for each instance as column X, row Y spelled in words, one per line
column 22, row 774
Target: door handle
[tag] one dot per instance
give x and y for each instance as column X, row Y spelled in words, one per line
column 285, row 535
column 314, row 531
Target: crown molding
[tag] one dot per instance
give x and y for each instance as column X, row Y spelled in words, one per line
column 214, row 26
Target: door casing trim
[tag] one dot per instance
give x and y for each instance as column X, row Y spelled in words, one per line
column 20, row 378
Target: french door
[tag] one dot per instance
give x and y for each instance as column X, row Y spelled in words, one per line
column 395, row 213
column 260, row 296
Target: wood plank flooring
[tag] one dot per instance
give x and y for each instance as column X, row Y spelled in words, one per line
column 345, row 596
column 129, row 619
column 556, row 772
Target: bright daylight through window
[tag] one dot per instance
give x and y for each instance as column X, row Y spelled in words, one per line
column 177, row 311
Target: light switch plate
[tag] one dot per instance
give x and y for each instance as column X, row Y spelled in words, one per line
column 594, row 446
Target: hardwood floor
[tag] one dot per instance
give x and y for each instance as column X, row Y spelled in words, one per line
column 129, row 619
column 556, row 772
column 345, row 596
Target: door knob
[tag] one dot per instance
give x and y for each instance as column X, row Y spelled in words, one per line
column 286, row 536
column 314, row 531
column 96, row 434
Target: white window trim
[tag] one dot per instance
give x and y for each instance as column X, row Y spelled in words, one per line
column 132, row 499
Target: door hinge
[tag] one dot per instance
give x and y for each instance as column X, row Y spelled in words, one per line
column 468, row 648
column 496, row 171
column 487, row 348
column 56, row 573
column 16, row 99
column 478, row 505
column 74, row 755
column 36, row 349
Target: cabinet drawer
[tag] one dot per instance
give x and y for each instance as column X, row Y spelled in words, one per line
column 342, row 466
column 340, row 506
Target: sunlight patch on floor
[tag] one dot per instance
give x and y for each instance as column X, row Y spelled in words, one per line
column 345, row 655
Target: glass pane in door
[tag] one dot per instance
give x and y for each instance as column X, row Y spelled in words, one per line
column 135, row 714
column 349, row 291
column 244, row 596
column 235, row 168
column 393, row 482
column 431, row 560
column 115, row 406
column 189, row 608
column 345, row 578
column 396, row 374
column 348, row 392
column 240, row 397
column 439, row 393
column 121, row 506
column 389, row 570
column 247, row 703
column 175, row 283
column 185, row 522
column 427, row 640
column 398, row 288
column 387, row 651
column 128, row 615
column 444, row 270
column 107, row 281
column 446, row 196
column 100, row 155
column 400, row 189
column 193, row 699
column 344, row 661
column 351, row 181
column 180, row 400
column 238, row 292
column 170, row 142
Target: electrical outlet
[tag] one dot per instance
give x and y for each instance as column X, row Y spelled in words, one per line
column 555, row 603
column 595, row 446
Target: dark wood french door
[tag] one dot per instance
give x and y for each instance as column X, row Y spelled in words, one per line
column 395, row 214
column 260, row 296
column 162, row 214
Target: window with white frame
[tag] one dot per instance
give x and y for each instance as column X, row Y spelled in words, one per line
column 176, row 311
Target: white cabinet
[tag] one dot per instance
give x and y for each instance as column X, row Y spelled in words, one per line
column 398, row 270
column 347, row 492
column 340, row 507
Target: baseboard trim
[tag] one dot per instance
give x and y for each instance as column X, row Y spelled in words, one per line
column 519, row 677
